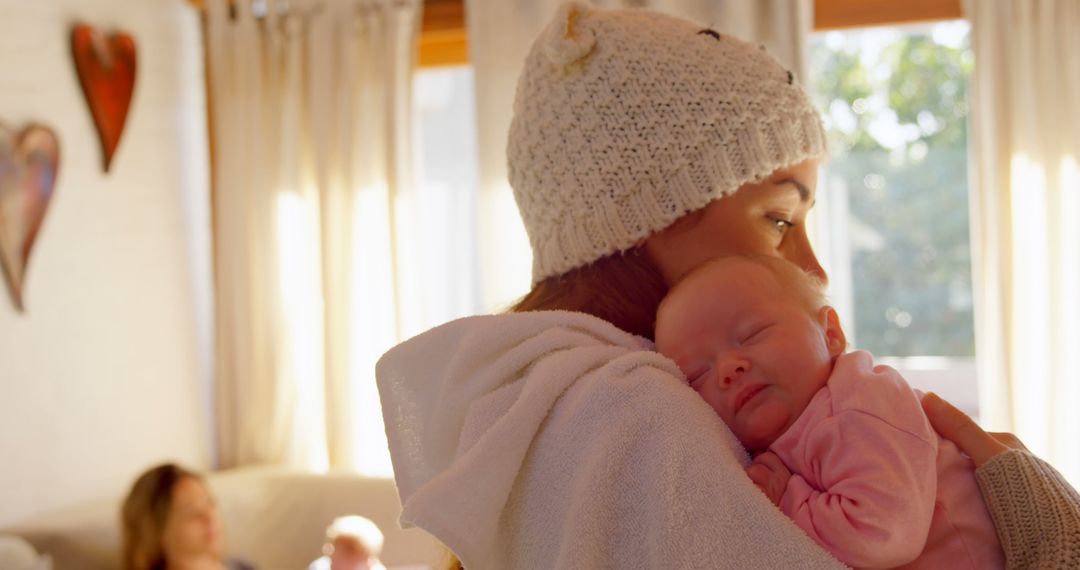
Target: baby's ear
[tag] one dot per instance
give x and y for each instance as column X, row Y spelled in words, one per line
column 834, row 334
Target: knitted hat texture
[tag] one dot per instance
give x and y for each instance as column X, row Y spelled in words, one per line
column 625, row 120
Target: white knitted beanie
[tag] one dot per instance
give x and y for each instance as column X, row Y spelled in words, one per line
column 625, row 120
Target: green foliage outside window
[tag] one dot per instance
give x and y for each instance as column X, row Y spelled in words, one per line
column 896, row 114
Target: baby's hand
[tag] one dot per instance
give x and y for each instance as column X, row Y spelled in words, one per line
column 770, row 475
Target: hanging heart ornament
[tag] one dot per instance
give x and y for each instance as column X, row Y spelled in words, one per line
column 106, row 68
column 28, row 164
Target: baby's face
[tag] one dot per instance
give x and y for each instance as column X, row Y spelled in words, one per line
column 748, row 347
column 349, row 554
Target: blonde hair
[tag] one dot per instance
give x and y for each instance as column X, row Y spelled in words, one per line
column 807, row 289
column 358, row 528
column 144, row 514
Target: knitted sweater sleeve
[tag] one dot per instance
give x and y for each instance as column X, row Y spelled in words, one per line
column 1036, row 512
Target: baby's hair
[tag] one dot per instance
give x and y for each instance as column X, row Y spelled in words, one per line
column 359, row 529
column 807, row 289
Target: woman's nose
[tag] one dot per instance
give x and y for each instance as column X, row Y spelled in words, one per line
column 801, row 253
column 814, row 268
column 208, row 516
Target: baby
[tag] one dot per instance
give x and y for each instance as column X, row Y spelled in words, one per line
column 352, row 543
column 840, row 445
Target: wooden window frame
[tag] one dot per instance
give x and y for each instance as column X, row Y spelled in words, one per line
column 839, row 14
column 443, row 40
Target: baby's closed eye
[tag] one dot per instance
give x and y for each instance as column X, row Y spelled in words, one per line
column 695, row 376
column 754, row 333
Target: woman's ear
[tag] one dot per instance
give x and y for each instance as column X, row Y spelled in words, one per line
column 834, row 335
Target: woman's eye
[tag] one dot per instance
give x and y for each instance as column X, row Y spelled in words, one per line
column 781, row 224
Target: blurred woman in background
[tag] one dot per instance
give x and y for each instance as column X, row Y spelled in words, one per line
column 170, row 522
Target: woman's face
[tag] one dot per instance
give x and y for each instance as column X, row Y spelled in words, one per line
column 767, row 218
column 192, row 528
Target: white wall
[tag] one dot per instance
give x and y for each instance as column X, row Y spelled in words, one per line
column 108, row 370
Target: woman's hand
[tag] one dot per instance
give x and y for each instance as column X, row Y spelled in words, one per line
column 957, row 427
column 770, row 475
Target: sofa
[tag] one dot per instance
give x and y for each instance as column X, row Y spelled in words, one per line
column 274, row 517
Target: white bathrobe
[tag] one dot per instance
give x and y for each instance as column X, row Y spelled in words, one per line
column 555, row 440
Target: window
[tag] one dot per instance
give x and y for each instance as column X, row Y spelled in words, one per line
column 445, row 171
column 894, row 197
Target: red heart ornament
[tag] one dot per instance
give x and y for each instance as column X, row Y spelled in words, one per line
column 29, row 160
column 106, row 67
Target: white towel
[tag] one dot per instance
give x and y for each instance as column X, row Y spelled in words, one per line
column 555, row 440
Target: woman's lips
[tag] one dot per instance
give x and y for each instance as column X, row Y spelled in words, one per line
column 747, row 394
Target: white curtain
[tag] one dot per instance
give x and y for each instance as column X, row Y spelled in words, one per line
column 310, row 119
column 1026, row 131
column 500, row 32
column 784, row 26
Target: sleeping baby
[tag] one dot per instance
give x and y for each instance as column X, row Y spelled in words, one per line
column 840, row 445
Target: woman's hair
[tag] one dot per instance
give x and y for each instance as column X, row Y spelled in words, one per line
column 143, row 516
column 450, row 561
column 624, row 289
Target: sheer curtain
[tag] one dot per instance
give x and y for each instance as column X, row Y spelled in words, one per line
column 1026, row 110
column 500, row 32
column 310, row 121
column 783, row 26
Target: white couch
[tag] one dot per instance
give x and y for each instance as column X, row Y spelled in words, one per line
column 273, row 517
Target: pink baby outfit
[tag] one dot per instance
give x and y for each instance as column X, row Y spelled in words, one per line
column 873, row 483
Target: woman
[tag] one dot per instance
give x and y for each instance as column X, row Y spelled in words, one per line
column 170, row 522
column 641, row 146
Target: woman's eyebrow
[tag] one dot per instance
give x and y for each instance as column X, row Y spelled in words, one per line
column 804, row 192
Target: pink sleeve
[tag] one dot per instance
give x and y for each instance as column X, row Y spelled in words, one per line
column 877, row 488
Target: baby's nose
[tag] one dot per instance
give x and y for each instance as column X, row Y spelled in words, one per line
column 731, row 370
